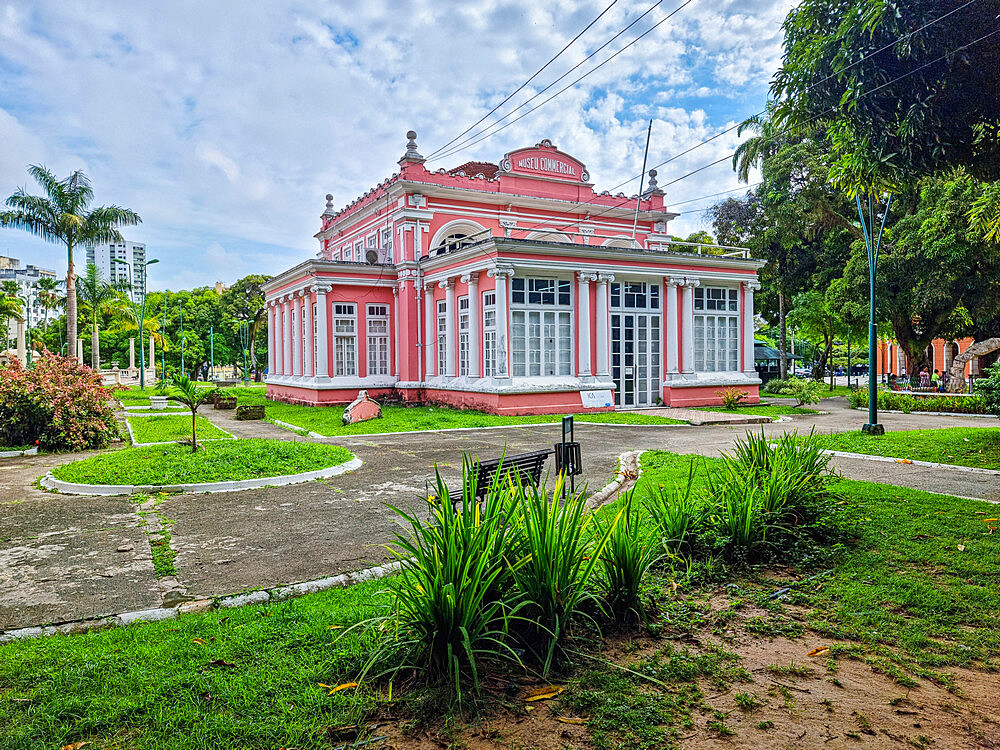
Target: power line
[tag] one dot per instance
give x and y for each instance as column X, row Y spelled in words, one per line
column 473, row 140
column 803, row 124
column 533, row 76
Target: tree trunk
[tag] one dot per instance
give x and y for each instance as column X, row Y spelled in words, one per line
column 95, row 349
column 70, row 303
column 956, row 375
column 194, row 431
column 782, row 338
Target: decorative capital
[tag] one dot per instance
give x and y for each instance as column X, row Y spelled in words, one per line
column 752, row 285
column 446, row 283
column 691, row 283
column 587, row 276
column 498, row 271
column 322, row 288
column 604, row 278
column 674, row 281
column 586, row 230
column 508, row 223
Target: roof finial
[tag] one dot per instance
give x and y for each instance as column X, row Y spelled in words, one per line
column 412, row 155
column 653, row 188
column 329, row 204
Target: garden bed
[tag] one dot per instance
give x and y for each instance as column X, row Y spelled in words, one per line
column 15, row 451
column 217, row 461
column 978, row 447
column 941, row 403
column 172, row 428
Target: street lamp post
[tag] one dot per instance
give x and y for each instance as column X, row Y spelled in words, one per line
column 26, row 299
column 245, row 341
column 872, row 243
column 211, row 351
column 180, row 306
column 139, row 310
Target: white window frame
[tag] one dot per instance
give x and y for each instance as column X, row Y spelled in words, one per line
column 716, row 329
column 359, row 250
column 345, row 340
column 489, row 334
column 528, row 328
column 387, row 243
column 463, row 335
column 442, row 337
column 377, row 340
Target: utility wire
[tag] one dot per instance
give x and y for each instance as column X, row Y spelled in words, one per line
column 473, row 140
column 519, row 88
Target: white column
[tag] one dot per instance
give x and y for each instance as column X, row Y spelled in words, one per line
column 749, row 287
column 687, row 325
column 475, row 316
column 603, row 322
column 296, row 370
column 501, row 274
column 322, row 333
column 79, row 350
column 430, row 332
column 286, row 335
column 450, row 345
column 152, row 359
column 584, row 321
column 271, row 338
column 309, row 340
column 670, row 330
column 131, row 353
column 21, row 348
column 394, row 321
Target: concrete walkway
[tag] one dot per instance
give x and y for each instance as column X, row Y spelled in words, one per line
column 68, row 557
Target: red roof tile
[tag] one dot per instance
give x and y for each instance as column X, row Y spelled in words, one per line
column 474, row 168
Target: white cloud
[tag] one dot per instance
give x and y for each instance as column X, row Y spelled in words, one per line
column 224, row 124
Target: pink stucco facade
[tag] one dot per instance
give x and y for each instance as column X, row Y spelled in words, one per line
column 513, row 288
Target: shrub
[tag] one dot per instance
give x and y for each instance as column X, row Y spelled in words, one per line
column 732, row 398
column 632, row 549
column 804, row 391
column 58, row 404
column 988, row 390
column 906, row 403
column 675, row 514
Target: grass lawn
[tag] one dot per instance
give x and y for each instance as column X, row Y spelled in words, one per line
column 173, row 427
column 326, row 420
column 899, row 593
column 217, row 461
column 761, row 410
column 961, row 446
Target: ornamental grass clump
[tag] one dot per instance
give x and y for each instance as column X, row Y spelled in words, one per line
column 675, row 513
column 632, row 548
column 59, row 405
column 454, row 600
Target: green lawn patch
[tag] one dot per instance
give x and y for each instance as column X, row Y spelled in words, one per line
column 219, row 461
column 761, row 410
column 326, row 420
column 161, row 429
column 247, row 677
column 961, row 446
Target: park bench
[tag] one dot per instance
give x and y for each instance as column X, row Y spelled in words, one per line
column 524, row 468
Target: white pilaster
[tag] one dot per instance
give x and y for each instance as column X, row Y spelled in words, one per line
column 603, row 322
column 584, row 321
column 79, row 350
column 749, row 287
column 396, row 297
column 501, row 274
column 451, row 313
column 271, row 337
column 131, row 353
column 286, row 336
column 687, row 325
column 309, row 339
column 297, row 335
column 474, row 317
column 322, row 332
column 671, row 333
column 430, row 333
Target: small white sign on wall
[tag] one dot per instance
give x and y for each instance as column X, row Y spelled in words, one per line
column 596, row 399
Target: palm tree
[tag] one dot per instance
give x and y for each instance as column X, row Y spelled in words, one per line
column 101, row 297
column 186, row 392
column 48, row 295
column 10, row 308
column 63, row 216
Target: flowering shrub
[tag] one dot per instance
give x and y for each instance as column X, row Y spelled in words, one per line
column 732, row 398
column 58, row 404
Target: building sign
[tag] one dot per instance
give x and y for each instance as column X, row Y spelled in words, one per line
column 596, row 399
column 545, row 160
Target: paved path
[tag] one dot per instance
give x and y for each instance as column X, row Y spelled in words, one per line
column 66, row 557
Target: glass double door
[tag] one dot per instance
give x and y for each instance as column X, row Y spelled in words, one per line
column 635, row 358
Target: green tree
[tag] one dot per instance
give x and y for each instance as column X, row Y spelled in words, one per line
column 185, row 391
column 244, row 303
column 47, row 289
column 815, row 315
column 101, row 298
column 63, row 216
column 10, row 309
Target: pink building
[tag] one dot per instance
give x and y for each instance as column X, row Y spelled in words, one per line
column 514, row 288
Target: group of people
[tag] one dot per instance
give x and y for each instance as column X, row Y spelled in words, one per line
column 926, row 380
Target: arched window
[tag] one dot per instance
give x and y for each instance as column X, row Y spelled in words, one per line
column 453, row 242
column 454, row 236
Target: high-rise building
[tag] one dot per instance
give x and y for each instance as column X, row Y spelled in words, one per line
column 26, row 278
column 105, row 257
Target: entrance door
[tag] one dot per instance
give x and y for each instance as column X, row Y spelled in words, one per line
column 635, row 358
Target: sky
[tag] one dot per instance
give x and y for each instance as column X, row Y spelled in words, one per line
column 225, row 124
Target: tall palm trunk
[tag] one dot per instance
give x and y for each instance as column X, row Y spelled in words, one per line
column 71, row 303
column 782, row 337
column 95, row 348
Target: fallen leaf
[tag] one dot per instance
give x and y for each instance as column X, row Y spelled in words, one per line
column 221, row 663
column 344, row 686
column 324, row 685
column 961, row 548
column 198, row 640
column 335, row 627
column 529, row 709
column 543, row 694
column 571, row 720
column 990, row 520
column 819, row 650
column 74, row 746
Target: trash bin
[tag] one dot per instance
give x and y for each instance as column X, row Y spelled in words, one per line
column 568, row 459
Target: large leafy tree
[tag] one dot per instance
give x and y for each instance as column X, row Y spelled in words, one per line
column 244, row 303
column 63, row 216
column 893, row 109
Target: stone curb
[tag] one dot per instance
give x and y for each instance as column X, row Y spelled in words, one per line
column 628, row 463
column 928, row 413
column 277, row 594
column 914, row 462
column 33, row 451
column 72, row 488
column 131, row 434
